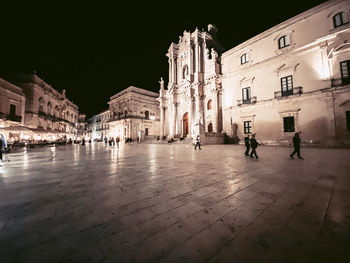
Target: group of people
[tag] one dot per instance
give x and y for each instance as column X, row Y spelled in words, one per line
column 112, row 141
column 251, row 143
column 3, row 149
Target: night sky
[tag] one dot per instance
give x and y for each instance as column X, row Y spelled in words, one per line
column 94, row 50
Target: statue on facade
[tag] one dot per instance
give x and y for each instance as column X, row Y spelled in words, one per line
column 161, row 83
column 212, row 29
column 214, row 54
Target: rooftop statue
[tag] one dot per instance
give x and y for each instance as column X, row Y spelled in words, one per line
column 161, row 83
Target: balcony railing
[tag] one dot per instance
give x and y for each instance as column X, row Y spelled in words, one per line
column 294, row 91
column 340, row 82
column 42, row 114
column 11, row 117
column 116, row 118
column 251, row 100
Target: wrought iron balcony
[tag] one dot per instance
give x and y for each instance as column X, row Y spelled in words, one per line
column 294, row 91
column 251, row 100
column 12, row 117
column 340, row 82
column 42, row 114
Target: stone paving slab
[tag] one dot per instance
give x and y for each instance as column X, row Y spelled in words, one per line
column 170, row 203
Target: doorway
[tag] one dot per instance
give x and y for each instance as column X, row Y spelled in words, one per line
column 185, row 124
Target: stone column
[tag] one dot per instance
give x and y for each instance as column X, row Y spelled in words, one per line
column 170, row 70
column 191, row 71
column 198, row 109
column 161, row 120
column 174, row 118
column 23, row 102
column 215, row 111
column 190, row 118
column 174, row 71
column 197, row 61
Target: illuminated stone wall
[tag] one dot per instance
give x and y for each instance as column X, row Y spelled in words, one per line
column 134, row 113
column 309, row 48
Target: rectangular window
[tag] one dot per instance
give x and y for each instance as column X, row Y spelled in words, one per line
column 344, row 69
column 12, row 109
column 348, row 120
column 283, row 41
column 340, row 19
column 146, row 131
column 246, row 95
column 244, row 58
column 288, row 124
column 287, row 86
column 247, row 127
column 147, row 115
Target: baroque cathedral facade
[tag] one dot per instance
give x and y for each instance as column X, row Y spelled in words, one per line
column 293, row 77
column 192, row 103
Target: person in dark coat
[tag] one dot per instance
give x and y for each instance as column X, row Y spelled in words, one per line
column 247, row 145
column 296, row 144
column 254, row 144
column 1, row 146
column 198, row 143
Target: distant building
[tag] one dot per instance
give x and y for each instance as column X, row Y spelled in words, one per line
column 294, row 77
column 134, row 113
column 48, row 113
column 12, row 108
column 98, row 127
column 82, row 126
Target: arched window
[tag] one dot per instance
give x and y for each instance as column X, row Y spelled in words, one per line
column 56, row 112
column 41, row 104
column 210, row 127
column 283, row 41
column 209, row 105
column 340, row 19
column 49, row 108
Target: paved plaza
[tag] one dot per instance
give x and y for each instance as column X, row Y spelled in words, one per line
column 170, row 203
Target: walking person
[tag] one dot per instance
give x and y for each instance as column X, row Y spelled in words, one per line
column 198, row 143
column 254, row 144
column 1, row 146
column 117, row 141
column 3, row 149
column 296, row 144
column 106, row 140
column 247, row 145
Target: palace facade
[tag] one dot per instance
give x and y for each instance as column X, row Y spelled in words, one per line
column 134, row 113
column 12, row 104
column 291, row 78
column 40, row 112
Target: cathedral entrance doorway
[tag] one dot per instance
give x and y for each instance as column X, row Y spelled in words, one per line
column 185, row 124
